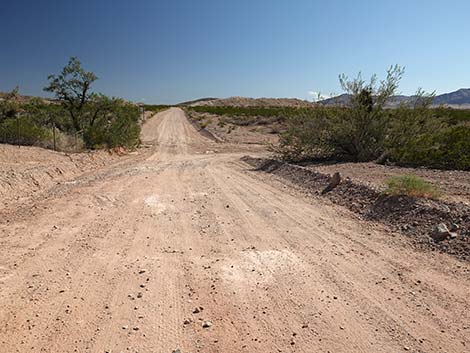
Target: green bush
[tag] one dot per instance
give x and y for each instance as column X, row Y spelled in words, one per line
column 25, row 132
column 115, row 125
column 155, row 108
column 411, row 185
column 446, row 148
column 306, row 136
column 411, row 135
column 356, row 132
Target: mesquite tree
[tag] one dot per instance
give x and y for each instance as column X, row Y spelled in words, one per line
column 72, row 86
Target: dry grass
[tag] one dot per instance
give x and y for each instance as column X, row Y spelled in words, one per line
column 411, row 185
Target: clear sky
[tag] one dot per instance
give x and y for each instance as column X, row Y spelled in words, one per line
column 174, row 50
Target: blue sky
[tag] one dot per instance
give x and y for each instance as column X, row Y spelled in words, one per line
column 174, row 50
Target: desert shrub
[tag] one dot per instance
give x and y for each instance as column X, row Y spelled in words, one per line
column 25, row 132
column 115, row 124
column 437, row 138
column 446, row 148
column 356, row 132
column 411, row 185
column 155, row 108
column 306, row 136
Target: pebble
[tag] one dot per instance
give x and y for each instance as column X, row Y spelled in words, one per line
column 206, row 324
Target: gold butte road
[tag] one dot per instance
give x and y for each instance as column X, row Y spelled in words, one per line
column 141, row 255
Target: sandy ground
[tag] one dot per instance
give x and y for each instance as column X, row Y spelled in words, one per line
column 237, row 134
column 27, row 171
column 141, row 255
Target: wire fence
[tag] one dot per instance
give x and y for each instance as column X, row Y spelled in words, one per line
column 20, row 133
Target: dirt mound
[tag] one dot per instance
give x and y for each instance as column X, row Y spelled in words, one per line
column 411, row 216
column 254, row 102
column 454, row 184
column 26, row 171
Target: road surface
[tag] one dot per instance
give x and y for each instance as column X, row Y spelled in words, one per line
column 186, row 249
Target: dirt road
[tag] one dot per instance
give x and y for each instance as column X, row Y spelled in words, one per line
column 142, row 255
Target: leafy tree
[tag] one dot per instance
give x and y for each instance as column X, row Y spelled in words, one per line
column 10, row 105
column 359, row 132
column 356, row 132
column 73, row 88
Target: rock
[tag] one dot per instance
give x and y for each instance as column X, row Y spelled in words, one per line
column 125, row 327
column 176, row 351
column 139, row 295
column 454, row 227
column 440, row 232
column 334, row 182
column 207, row 324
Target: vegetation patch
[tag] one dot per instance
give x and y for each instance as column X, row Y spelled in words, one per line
column 411, row 185
column 77, row 116
column 156, row 108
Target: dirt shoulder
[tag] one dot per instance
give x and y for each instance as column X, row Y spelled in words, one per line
column 414, row 217
column 455, row 184
column 28, row 171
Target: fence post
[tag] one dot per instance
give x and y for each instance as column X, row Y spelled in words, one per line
column 53, row 134
column 18, row 130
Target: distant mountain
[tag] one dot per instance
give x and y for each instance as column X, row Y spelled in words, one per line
column 198, row 101
column 253, row 102
column 459, row 99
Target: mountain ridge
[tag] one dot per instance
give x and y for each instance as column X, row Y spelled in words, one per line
column 459, row 99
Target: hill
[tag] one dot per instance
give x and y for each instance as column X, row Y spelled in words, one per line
column 252, row 102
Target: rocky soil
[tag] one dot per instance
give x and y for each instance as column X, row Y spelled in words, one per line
column 415, row 217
